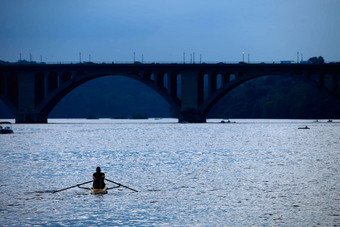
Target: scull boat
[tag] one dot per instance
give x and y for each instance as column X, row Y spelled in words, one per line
column 99, row 191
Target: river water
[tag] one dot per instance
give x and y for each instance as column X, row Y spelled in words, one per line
column 248, row 173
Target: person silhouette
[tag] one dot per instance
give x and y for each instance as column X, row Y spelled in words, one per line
column 98, row 179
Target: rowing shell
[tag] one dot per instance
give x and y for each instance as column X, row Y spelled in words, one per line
column 99, row 191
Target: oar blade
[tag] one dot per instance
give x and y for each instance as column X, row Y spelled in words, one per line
column 122, row 185
column 63, row 189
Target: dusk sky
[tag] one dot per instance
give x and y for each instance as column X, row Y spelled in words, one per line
column 219, row 30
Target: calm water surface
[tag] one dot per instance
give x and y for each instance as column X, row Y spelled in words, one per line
column 249, row 173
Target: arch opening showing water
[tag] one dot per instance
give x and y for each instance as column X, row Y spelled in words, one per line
column 277, row 97
column 5, row 112
column 111, row 97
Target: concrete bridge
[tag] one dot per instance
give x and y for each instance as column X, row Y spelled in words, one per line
column 31, row 91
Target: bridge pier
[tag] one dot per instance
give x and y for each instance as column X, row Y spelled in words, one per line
column 191, row 116
column 28, row 98
column 30, row 118
column 192, row 96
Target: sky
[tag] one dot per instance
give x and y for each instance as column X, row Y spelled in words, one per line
column 166, row 30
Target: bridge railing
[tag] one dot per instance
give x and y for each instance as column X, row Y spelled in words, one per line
column 158, row 62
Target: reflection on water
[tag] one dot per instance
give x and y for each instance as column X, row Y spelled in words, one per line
column 251, row 173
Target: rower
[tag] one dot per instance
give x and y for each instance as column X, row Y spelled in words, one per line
column 98, row 179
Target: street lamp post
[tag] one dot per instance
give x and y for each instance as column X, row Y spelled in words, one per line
column 243, row 56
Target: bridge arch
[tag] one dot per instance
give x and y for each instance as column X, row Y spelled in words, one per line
column 34, row 89
column 235, row 81
column 6, row 108
column 72, row 82
column 9, row 96
column 9, row 105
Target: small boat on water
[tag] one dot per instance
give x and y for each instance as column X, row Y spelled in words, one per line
column 5, row 127
column 99, row 191
column 227, row 121
column 96, row 191
column 304, row 127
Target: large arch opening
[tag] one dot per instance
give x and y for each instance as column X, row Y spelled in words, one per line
column 277, row 97
column 5, row 112
column 112, row 97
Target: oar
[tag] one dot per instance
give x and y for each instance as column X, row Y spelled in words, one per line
column 72, row 186
column 121, row 185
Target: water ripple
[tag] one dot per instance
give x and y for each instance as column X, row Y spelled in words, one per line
column 252, row 173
